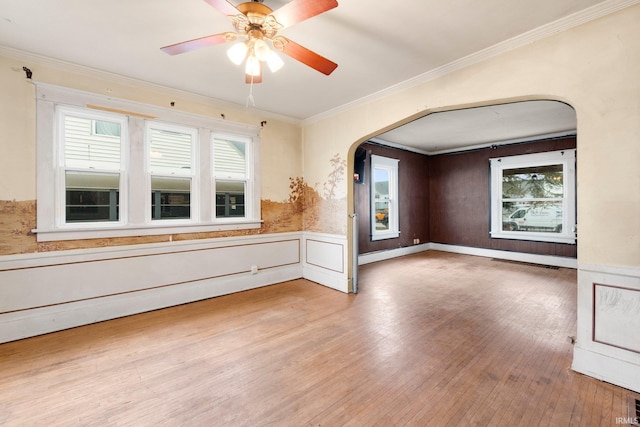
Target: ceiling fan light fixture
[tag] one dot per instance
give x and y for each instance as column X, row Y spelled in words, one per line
column 258, row 25
column 238, row 52
column 274, row 61
column 261, row 50
column 252, row 67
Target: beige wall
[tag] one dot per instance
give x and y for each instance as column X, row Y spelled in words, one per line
column 280, row 139
column 594, row 67
column 281, row 149
column 18, row 124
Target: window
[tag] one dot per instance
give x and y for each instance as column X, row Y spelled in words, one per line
column 104, row 172
column 101, row 127
column 91, row 167
column 172, row 172
column 231, row 176
column 384, row 198
column 533, row 197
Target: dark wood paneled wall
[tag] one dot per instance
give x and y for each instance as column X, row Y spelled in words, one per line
column 413, row 178
column 445, row 199
column 459, row 191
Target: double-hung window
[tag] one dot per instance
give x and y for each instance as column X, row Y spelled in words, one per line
column 171, row 165
column 231, row 176
column 533, row 197
column 114, row 168
column 384, row 198
column 91, row 168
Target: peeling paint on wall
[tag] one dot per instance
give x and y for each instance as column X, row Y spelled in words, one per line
column 17, row 219
column 305, row 209
column 320, row 210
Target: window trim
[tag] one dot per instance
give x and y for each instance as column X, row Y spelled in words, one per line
column 49, row 97
column 193, row 175
column 390, row 165
column 60, row 169
column 567, row 158
column 250, row 203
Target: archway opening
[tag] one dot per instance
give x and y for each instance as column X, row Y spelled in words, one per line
column 443, row 189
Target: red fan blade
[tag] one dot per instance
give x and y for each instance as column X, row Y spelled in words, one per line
column 307, row 57
column 224, row 6
column 299, row 10
column 194, row 44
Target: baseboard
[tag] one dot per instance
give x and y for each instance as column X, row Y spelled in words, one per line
column 606, row 368
column 333, row 281
column 391, row 253
column 555, row 261
column 467, row 250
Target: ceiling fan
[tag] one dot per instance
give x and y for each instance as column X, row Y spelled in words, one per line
column 258, row 25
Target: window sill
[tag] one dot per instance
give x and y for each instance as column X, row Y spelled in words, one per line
column 535, row 237
column 58, row 234
column 384, row 236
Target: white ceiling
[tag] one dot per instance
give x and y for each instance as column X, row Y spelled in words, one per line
column 481, row 126
column 377, row 44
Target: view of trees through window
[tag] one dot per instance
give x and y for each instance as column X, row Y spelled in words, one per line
column 384, row 198
column 532, row 198
column 381, row 215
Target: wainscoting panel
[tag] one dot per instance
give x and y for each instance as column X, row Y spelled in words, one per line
column 608, row 341
column 325, row 260
column 45, row 292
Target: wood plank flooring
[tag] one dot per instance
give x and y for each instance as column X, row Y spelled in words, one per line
column 431, row 339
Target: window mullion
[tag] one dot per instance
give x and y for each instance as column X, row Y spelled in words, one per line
column 137, row 173
column 207, row 200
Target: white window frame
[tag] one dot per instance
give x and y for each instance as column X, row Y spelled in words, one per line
column 391, row 166
column 135, row 192
column 59, row 176
column 249, row 201
column 566, row 158
column 193, row 173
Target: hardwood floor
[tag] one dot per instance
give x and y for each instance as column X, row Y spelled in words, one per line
column 431, row 339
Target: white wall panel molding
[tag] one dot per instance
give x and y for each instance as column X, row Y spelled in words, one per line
column 325, row 260
column 45, row 292
column 607, row 341
column 37, row 321
column 39, row 259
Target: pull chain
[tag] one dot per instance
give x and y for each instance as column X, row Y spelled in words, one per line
column 250, row 97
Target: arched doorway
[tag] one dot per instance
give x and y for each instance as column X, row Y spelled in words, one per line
column 444, row 182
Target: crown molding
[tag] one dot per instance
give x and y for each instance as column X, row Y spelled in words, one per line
column 582, row 17
column 529, row 138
